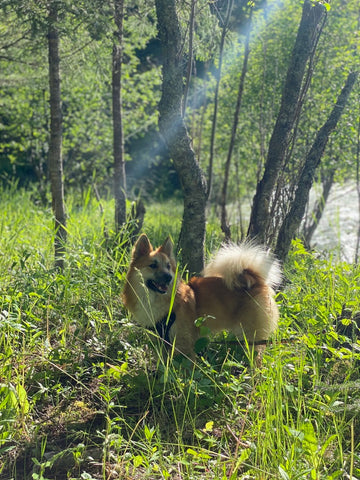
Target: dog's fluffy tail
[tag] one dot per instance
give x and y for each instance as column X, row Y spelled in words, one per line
column 244, row 265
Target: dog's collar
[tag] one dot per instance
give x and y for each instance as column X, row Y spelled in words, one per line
column 163, row 327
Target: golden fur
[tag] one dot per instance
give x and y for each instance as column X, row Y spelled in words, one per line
column 235, row 293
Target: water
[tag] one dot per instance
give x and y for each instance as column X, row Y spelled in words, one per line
column 338, row 227
column 336, row 234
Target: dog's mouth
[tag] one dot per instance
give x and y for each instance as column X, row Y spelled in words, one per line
column 157, row 287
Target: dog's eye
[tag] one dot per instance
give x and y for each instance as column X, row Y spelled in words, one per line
column 168, row 266
column 153, row 265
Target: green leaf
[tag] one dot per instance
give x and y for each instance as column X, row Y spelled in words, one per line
column 201, row 344
column 283, row 473
column 138, row 461
column 209, row 426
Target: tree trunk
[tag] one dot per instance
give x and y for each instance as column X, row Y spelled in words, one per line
column 312, row 16
column 118, row 134
column 293, row 218
column 55, row 147
column 174, row 132
column 225, row 227
column 216, row 98
column 190, row 60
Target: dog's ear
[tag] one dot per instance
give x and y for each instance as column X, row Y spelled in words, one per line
column 167, row 248
column 142, row 247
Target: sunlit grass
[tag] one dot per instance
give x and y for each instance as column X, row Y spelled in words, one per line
column 86, row 394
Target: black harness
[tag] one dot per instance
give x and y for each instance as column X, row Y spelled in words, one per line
column 163, row 327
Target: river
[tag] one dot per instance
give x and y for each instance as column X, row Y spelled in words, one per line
column 337, row 229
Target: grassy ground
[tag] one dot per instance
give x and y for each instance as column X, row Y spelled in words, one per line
column 84, row 394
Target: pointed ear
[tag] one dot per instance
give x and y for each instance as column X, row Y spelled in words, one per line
column 167, row 248
column 142, row 247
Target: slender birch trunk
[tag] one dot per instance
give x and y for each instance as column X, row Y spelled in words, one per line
column 177, row 140
column 307, row 37
column 225, row 227
column 55, row 148
column 292, row 220
column 118, row 133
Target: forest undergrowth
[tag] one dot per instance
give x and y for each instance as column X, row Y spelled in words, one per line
column 86, row 394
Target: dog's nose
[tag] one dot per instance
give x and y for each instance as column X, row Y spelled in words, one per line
column 167, row 277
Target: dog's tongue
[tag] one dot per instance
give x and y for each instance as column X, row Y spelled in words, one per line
column 157, row 287
column 162, row 288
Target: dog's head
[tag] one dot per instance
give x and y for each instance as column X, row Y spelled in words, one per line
column 157, row 266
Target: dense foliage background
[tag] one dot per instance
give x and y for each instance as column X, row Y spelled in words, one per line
column 86, row 43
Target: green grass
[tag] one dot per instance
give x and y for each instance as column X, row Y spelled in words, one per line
column 85, row 394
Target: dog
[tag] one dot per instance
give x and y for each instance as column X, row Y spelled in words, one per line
column 234, row 293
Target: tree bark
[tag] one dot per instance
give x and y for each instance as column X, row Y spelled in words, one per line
column 118, row 133
column 55, row 147
column 312, row 16
column 293, row 218
column 175, row 135
column 190, row 60
column 216, row 98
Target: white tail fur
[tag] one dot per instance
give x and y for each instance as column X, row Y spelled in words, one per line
column 231, row 260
